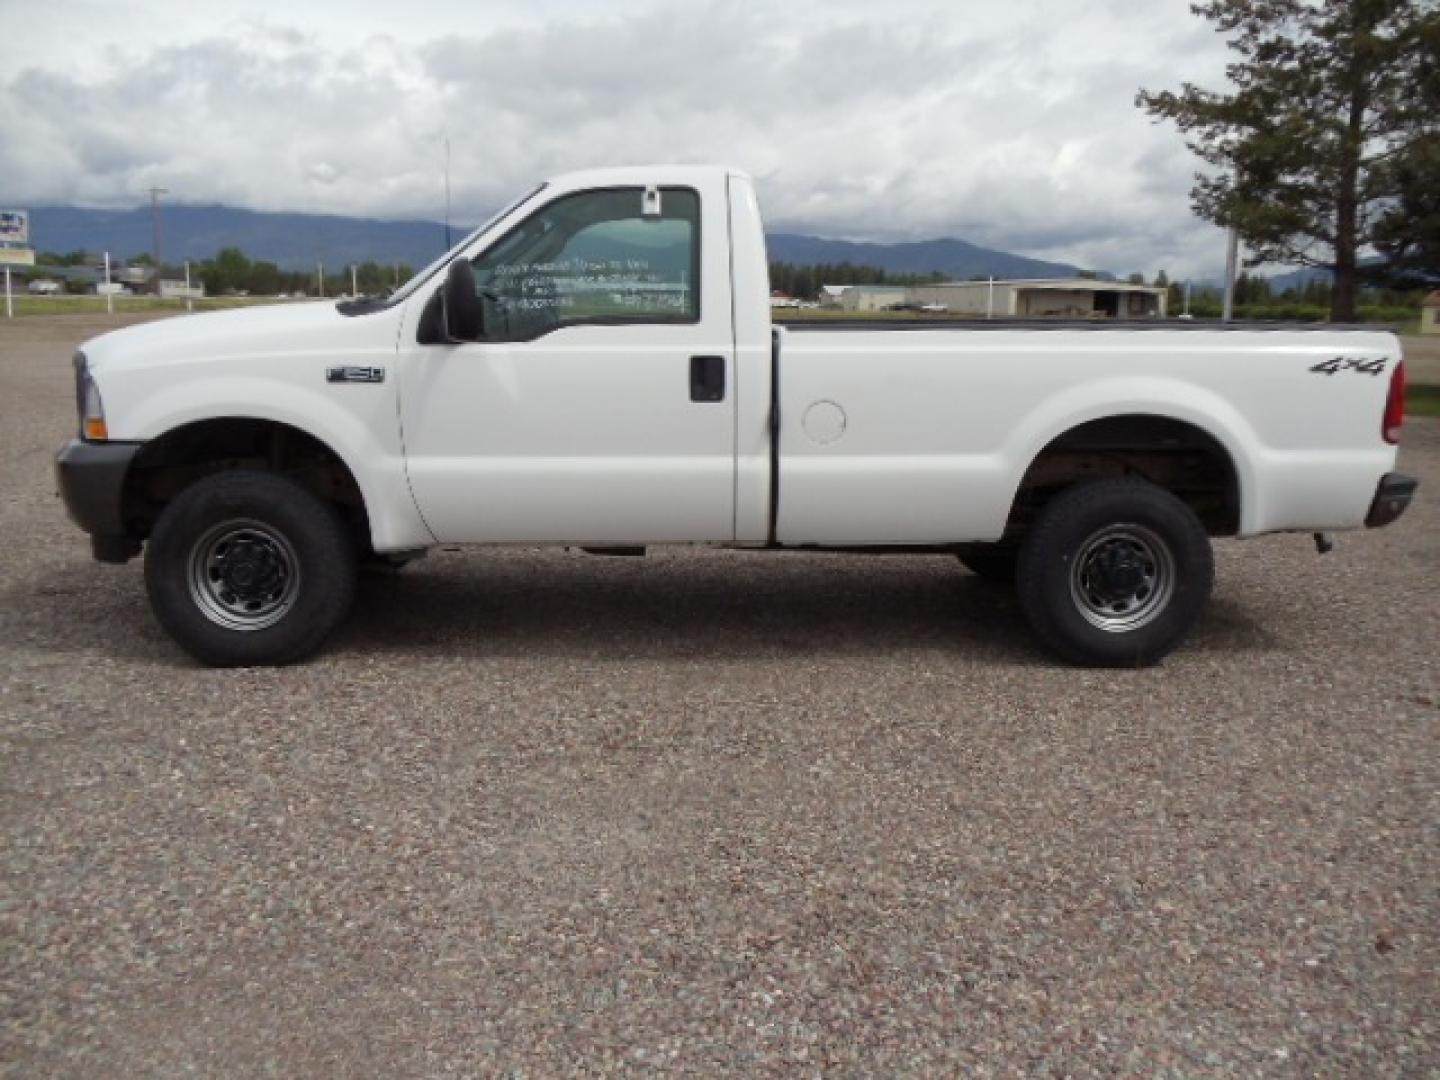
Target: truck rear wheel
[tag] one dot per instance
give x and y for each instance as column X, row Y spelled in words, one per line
column 1114, row 573
column 248, row 568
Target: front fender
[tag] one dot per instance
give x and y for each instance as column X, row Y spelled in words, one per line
column 363, row 435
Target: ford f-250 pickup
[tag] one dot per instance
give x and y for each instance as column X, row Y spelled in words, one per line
column 596, row 366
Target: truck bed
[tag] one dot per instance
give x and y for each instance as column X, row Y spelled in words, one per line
column 922, row 431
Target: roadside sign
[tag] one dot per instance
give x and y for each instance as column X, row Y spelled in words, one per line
column 17, row 256
column 14, row 226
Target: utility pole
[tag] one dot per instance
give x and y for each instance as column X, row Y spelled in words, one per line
column 1232, row 255
column 155, row 193
column 447, row 192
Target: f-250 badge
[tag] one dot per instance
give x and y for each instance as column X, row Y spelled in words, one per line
column 1363, row 365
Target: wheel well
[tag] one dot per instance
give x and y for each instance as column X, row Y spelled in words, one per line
column 1173, row 454
column 168, row 465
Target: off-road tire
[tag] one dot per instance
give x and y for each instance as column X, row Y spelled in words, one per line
column 1063, row 556
column 311, row 566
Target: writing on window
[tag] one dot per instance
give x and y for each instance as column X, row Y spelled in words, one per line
column 594, row 257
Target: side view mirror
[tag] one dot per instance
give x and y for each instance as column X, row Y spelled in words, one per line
column 459, row 304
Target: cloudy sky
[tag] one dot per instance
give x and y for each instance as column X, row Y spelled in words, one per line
column 1009, row 123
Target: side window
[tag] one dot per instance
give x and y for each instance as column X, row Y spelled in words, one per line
column 594, row 257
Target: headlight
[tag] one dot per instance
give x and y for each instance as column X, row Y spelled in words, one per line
column 87, row 401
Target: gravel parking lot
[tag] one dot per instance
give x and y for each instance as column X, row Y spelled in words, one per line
column 540, row 813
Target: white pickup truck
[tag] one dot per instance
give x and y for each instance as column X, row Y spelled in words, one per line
column 596, row 367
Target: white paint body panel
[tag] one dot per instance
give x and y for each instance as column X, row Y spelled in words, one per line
column 941, row 425
column 269, row 363
column 588, row 435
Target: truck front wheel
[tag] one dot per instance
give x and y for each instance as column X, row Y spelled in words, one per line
column 247, row 568
column 1114, row 573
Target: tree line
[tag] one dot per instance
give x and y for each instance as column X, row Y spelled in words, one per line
column 232, row 272
column 1256, row 297
column 803, row 280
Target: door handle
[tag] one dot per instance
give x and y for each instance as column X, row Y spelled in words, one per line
column 707, row 378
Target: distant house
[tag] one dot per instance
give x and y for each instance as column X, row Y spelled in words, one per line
column 780, row 299
column 137, row 276
column 1032, row 298
column 1044, row 298
column 1430, row 314
column 74, row 277
column 871, row 297
column 180, row 291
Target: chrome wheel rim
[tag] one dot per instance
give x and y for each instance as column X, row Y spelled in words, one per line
column 244, row 575
column 1122, row 578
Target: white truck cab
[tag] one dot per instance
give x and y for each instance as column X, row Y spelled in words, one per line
column 596, row 366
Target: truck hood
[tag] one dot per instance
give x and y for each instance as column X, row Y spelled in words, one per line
column 243, row 333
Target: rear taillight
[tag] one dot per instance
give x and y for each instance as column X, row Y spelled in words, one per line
column 1394, row 406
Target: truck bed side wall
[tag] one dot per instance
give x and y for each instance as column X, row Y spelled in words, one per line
column 940, row 426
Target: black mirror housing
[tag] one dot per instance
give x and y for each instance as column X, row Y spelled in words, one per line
column 460, row 307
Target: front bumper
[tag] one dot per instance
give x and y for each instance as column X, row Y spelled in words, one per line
column 1392, row 497
column 91, row 477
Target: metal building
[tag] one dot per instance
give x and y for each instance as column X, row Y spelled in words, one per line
column 1055, row 298
column 872, row 297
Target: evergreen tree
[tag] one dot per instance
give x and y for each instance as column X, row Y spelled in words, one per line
column 1332, row 101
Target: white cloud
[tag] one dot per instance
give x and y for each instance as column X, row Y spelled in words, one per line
column 1011, row 125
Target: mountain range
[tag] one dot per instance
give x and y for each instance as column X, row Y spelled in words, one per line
column 296, row 241
column 956, row 259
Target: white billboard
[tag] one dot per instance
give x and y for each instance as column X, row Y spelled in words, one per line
column 14, row 227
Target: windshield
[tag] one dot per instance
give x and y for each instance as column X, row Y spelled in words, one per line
column 429, row 271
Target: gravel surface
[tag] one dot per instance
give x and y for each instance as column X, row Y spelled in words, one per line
column 539, row 813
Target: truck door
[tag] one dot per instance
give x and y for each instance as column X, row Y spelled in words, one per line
column 599, row 405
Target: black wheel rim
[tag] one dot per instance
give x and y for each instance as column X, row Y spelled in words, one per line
column 243, row 575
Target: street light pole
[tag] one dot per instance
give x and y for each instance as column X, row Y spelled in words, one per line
column 155, row 193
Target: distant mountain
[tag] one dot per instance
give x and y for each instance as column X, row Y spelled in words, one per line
column 292, row 241
column 296, row 241
column 956, row 259
column 1298, row 279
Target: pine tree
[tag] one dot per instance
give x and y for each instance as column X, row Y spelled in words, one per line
column 1330, row 99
